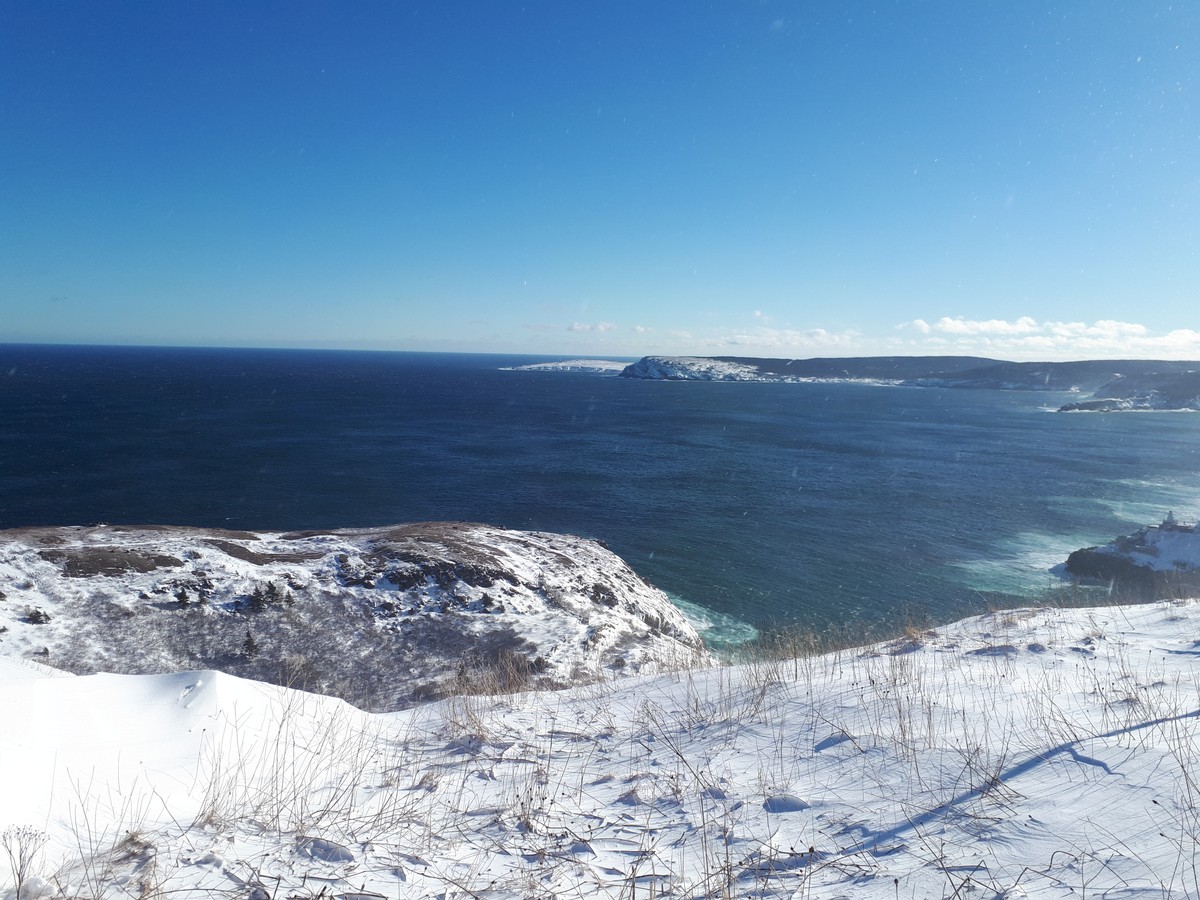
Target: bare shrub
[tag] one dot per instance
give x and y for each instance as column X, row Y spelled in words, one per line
column 23, row 846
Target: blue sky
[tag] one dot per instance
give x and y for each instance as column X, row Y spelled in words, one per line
column 768, row 178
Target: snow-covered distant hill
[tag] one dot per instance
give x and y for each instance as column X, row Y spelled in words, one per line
column 1025, row 753
column 693, row 368
column 1145, row 383
column 382, row 617
column 866, row 369
column 585, row 366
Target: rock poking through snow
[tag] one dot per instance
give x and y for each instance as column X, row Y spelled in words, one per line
column 382, row 617
column 1155, row 561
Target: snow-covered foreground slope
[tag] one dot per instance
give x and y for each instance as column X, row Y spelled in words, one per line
column 1027, row 753
column 379, row 616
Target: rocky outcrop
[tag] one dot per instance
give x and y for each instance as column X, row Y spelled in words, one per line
column 693, row 368
column 1155, row 561
column 1109, row 405
column 382, row 617
column 1147, row 391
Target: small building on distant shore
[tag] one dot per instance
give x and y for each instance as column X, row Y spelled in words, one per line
column 1170, row 523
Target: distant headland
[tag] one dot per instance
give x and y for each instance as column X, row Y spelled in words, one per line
column 1114, row 385
column 1155, row 561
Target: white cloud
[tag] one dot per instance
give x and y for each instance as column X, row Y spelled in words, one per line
column 1027, row 338
column 1106, row 329
column 1017, row 338
column 776, row 339
column 759, row 340
column 959, row 325
column 591, row 326
column 1184, row 338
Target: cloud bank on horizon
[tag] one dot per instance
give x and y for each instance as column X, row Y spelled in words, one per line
column 623, row 179
column 1027, row 338
column 1020, row 339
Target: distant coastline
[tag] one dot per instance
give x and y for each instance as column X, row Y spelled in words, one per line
column 1114, row 385
column 584, row 366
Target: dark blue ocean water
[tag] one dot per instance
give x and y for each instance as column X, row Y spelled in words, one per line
column 818, row 503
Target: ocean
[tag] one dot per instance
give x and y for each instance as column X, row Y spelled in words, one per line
column 753, row 505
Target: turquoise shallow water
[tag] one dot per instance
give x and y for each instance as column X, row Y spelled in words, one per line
column 762, row 503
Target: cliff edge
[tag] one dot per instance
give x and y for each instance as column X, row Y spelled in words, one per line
column 382, row 617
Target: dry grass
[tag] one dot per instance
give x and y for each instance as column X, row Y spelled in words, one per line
column 498, row 794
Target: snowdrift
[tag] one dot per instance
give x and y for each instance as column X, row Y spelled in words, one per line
column 1047, row 753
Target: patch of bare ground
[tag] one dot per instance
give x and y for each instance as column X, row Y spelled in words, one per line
column 85, row 562
column 237, row 551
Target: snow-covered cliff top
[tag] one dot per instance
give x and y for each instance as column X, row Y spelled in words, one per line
column 694, row 368
column 1170, row 547
column 769, row 371
column 379, row 616
column 588, row 366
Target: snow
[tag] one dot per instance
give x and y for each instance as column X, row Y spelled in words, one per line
column 692, row 368
column 701, row 368
column 383, row 616
column 1169, row 550
column 1166, row 548
column 1046, row 753
column 584, row 366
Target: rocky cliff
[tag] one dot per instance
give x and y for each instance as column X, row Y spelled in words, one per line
column 382, row 617
column 1155, row 561
column 1146, row 391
